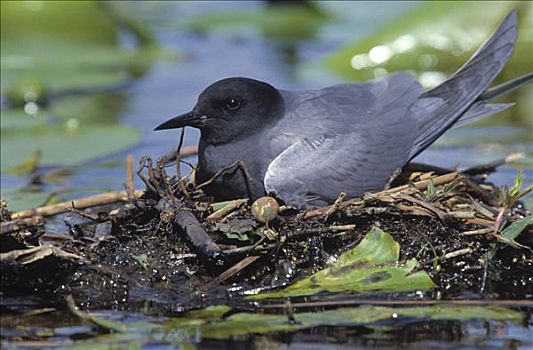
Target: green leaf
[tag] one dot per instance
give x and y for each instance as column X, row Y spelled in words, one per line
column 219, row 205
column 72, row 144
column 517, row 185
column 240, row 229
column 436, row 38
column 515, row 229
column 249, row 323
column 142, row 259
column 96, row 108
column 83, row 38
column 210, row 323
column 371, row 266
column 276, row 21
column 431, row 189
column 21, row 198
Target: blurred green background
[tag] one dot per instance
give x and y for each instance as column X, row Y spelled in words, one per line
column 83, row 83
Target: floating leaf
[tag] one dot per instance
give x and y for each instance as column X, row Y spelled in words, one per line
column 95, row 107
column 21, row 198
column 294, row 21
column 209, row 323
column 16, row 120
column 430, row 43
column 68, row 145
column 83, row 37
column 249, row 323
column 371, row 266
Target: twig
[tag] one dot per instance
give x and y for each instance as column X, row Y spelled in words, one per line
column 479, row 221
column 420, row 185
column 200, row 240
column 130, row 186
column 30, row 255
column 104, row 324
column 336, row 205
column 441, row 214
column 80, row 203
column 232, row 270
column 481, row 231
column 85, row 215
column 236, row 165
column 456, row 253
column 302, row 233
column 319, row 230
column 185, row 152
column 447, row 256
column 181, row 185
column 249, row 248
column 228, row 208
column 20, row 225
column 491, row 167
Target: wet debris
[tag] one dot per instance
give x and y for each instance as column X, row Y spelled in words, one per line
column 172, row 246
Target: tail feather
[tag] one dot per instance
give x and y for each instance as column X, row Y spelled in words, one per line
column 450, row 100
column 480, row 110
column 506, row 87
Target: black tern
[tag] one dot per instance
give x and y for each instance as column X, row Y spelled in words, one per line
column 306, row 147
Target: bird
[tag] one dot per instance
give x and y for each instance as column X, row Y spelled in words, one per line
column 306, row 147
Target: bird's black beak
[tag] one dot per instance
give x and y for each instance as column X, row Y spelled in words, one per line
column 187, row 119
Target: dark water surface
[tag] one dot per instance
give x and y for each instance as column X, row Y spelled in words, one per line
column 171, row 87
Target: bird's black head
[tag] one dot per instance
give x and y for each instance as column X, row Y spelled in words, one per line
column 231, row 108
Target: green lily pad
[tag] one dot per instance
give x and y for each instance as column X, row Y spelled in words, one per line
column 371, row 266
column 69, row 144
column 428, row 42
column 20, row 198
column 278, row 21
column 68, row 20
column 210, row 324
column 66, row 46
column 249, row 323
column 16, row 120
column 95, row 107
column 73, row 66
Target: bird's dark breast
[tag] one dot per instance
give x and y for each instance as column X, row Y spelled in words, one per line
column 231, row 183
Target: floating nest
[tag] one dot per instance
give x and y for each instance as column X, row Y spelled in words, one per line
column 170, row 248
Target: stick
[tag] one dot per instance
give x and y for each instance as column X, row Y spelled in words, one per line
column 20, row 225
column 185, row 152
column 200, row 240
column 491, row 167
column 302, row 233
column 443, row 216
column 232, row 270
column 228, row 208
column 420, row 185
column 80, row 203
column 236, row 165
column 179, row 176
column 130, row 187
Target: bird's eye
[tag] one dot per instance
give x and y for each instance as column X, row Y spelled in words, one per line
column 232, row 104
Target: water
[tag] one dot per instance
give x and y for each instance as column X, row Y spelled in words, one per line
column 171, row 86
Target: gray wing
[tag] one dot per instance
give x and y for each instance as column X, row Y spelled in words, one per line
column 343, row 147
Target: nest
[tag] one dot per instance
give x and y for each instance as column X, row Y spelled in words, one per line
column 171, row 245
